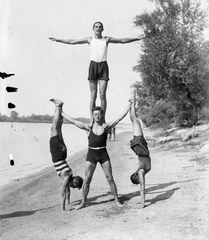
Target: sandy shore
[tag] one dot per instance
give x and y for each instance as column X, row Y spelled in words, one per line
column 177, row 199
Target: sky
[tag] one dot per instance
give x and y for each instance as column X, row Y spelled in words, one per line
column 45, row 69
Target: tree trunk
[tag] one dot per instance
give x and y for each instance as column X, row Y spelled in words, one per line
column 194, row 107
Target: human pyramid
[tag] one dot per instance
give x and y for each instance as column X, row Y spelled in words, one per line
column 97, row 130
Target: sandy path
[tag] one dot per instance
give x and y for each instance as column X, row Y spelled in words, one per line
column 177, row 200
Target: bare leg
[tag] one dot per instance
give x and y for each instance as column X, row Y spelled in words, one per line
column 110, row 135
column 137, row 130
column 57, row 120
column 113, row 133
column 89, row 171
column 107, row 168
column 102, row 92
column 93, row 90
column 113, row 136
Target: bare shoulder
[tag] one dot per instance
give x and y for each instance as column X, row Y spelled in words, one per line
column 107, row 126
column 88, row 39
column 107, row 38
column 87, row 128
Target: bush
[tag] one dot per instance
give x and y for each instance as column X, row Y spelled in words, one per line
column 204, row 114
column 160, row 114
column 184, row 118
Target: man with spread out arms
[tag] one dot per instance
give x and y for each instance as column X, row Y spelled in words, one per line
column 97, row 152
column 98, row 68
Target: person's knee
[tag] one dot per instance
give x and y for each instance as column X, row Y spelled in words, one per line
column 87, row 180
column 54, row 128
column 110, row 179
column 103, row 95
column 134, row 121
column 93, row 97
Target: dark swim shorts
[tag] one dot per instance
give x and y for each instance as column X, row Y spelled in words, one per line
column 139, row 145
column 98, row 71
column 95, row 156
column 57, row 149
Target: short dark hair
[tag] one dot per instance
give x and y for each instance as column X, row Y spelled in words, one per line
column 134, row 178
column 97, row 108
column 79, row 181
column 99, row 23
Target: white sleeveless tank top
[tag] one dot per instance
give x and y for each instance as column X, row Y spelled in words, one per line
column 98, row 50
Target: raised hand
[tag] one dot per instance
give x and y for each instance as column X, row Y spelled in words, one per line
column 53, row 39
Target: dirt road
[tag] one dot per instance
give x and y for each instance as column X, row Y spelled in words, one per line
column 177, row 199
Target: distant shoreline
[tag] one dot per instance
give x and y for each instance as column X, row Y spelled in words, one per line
column 42, row 168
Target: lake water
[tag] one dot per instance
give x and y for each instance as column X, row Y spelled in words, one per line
column 28, row 143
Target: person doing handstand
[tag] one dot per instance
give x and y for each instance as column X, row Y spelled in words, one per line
column 97, row 152
column 139, row 145
column 98, row 68
column 58, row 151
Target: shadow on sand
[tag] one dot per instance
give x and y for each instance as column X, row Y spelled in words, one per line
column 163, row 195
column 153, row 190
column 22, row 213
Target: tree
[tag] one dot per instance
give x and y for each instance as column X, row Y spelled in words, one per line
column 14, row 116
column 174, row 61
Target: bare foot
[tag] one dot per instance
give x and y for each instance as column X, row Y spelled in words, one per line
column 57, row 102
column 70, row 208
column 118, row 204
column 142, row 206
column 82, row 205
column 139, row 206
column 132, row 96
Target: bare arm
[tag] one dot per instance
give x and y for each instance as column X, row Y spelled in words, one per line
column 142, row 186
column 75, row 122
column 72, row 41
column 63, row 192
column 124, row 40
column 120, row 117
column 68, row 195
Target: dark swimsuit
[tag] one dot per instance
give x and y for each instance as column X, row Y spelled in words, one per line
column 98, row 71
column 139, row 145
column 59, row 154
column 97, row 155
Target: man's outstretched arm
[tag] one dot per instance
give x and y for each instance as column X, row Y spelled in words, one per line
column 120, row 117
column 124, row 40
column 75, row 122
column 72, row 41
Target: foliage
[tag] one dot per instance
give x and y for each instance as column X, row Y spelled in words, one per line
column 174, row 65
column 204, row 114
column 161, row 114
column 14, row 117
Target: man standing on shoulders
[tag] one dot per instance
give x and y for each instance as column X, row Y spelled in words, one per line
column 98, row 68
